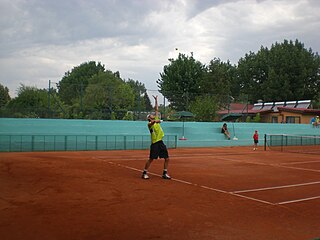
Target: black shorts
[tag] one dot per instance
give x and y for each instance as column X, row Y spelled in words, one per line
column 255, row 141
column 158, row 149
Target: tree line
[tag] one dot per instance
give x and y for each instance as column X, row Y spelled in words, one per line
column 88, row 91
column 286, row 71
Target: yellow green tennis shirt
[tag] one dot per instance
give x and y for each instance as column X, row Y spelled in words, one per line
column 156, row 132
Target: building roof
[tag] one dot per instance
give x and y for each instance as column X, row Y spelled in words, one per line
column 257, row 106
column 300, row 110
column 276, row 106
column 267, row 106
column 303, row 104
column 236, row 108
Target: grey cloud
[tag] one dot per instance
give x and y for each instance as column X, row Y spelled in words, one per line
column 32, row 23
column 45, row 38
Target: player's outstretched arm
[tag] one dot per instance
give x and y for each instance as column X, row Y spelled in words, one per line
column 156, row 110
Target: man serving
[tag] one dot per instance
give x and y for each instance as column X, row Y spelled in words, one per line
column 157, row 149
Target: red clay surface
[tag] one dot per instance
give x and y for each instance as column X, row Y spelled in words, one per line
column 216, row 193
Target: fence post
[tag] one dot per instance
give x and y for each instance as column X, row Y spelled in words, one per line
column 49, row 92
column 32, row 143
column 176, row 141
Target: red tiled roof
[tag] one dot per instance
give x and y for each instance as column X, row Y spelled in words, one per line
column 236, row 108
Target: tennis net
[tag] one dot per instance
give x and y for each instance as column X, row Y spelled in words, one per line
column 292, row 143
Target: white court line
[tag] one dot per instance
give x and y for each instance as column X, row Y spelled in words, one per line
column 283, row 165
column 250, row 198
column 298, row 168
column 292, row 163
column 278, row 187
column 234, row 193
column 190, row 183
column 298, row 200
column 266, row 164
column 238, row 195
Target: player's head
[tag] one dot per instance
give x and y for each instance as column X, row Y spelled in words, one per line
column 150, row 117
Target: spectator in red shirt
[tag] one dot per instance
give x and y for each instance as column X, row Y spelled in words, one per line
column 255, row 140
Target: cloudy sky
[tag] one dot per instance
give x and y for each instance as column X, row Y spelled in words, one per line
column 40, row 40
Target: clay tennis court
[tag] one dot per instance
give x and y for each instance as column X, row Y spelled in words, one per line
column 215, row 193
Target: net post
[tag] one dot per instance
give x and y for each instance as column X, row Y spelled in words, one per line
column 265, row 142
column 176, row 141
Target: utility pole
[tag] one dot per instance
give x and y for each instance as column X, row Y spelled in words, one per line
column 164, row 108
column 49, row 89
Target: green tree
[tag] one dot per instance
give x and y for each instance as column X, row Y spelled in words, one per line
column 220, row 81
column 73, row 84
column 219, row 78
column 108, row 95
column 180, row 81
column 4, row 95
column 147, row 101
column 256, row 118
column 204, row 108
column 252, row 72
column 141, row 99
column 288, row 71
column 90, row 91
column 30, row 102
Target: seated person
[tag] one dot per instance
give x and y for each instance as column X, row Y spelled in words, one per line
column 315, row 121
column 225, row 131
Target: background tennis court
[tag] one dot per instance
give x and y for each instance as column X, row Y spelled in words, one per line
column 215, row 193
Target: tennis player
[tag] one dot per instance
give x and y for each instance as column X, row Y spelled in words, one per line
column 157, row 149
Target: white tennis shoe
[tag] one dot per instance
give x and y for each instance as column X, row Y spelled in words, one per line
column 145, row 176
column 166, row 176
